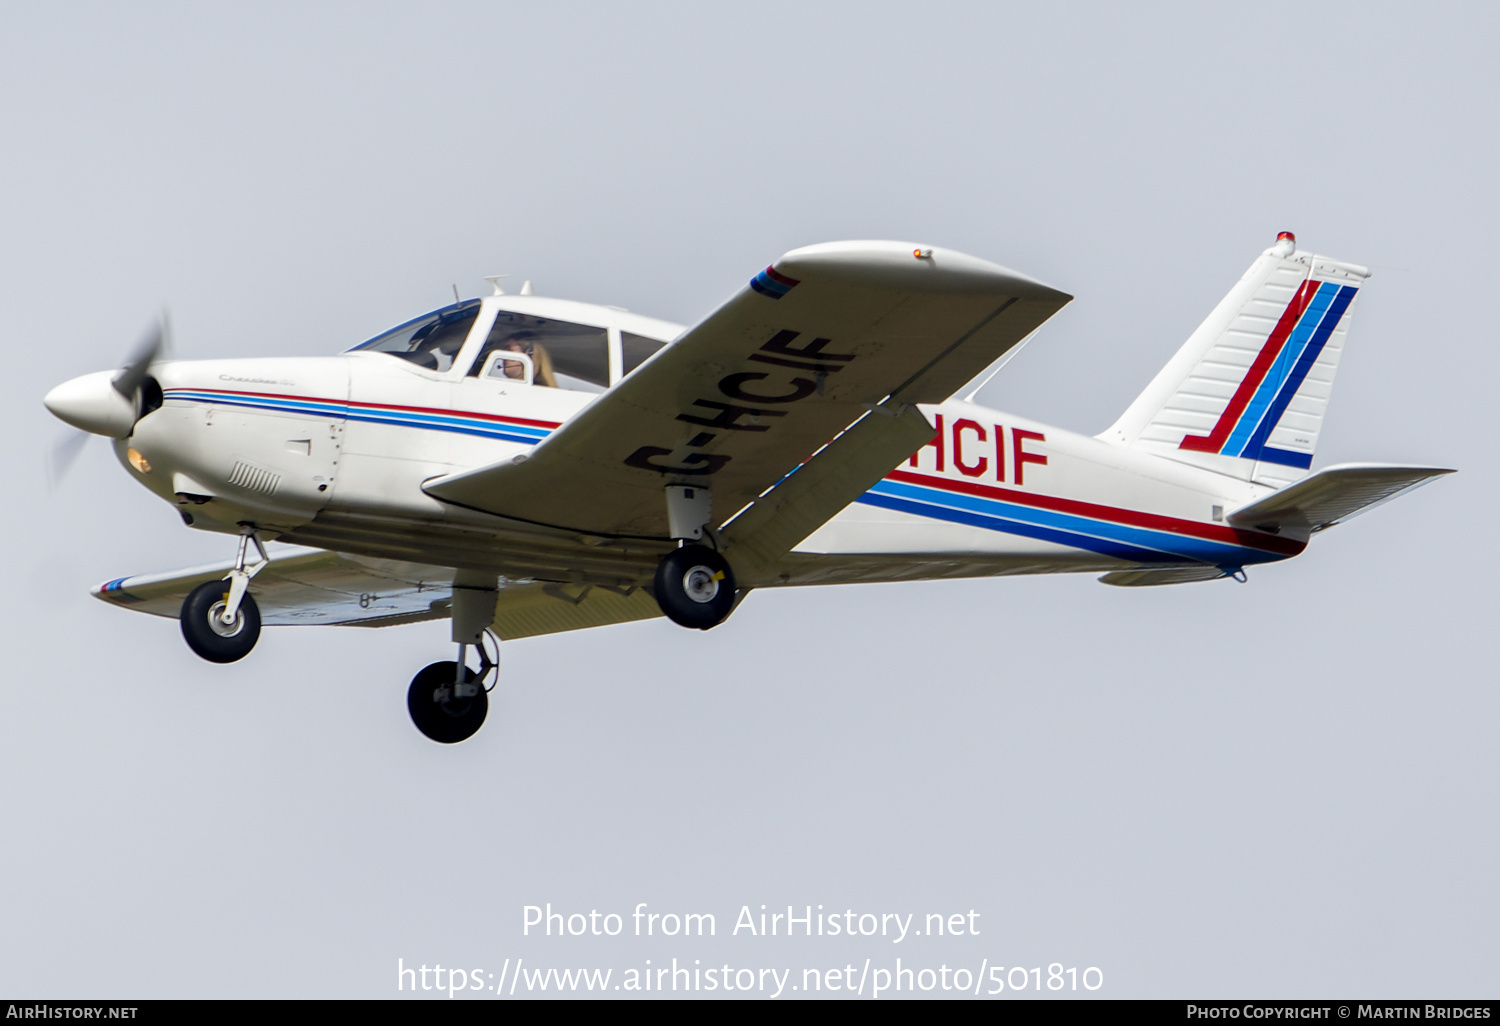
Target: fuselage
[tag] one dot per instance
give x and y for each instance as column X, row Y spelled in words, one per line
column 333, row 451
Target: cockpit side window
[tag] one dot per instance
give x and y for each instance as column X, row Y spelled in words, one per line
column 430, row 341
column 563, row 355
column 636, row 350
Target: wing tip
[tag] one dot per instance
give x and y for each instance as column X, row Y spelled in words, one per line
column 114, row 593
column 888, row 263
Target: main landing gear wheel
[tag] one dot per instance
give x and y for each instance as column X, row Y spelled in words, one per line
column 204, row 628
column 437, row 713
column 695, row 587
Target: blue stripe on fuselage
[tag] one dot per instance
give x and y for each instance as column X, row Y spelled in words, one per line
column 1121, row 541
column 456, row 423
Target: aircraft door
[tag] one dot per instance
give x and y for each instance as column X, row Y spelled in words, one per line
column 530, row 374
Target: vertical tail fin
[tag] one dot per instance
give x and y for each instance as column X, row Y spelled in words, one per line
column 1246, row 394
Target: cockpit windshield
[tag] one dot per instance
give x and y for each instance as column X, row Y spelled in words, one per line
column 430, row 341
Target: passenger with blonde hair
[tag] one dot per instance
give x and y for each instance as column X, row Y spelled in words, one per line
column 525, row 342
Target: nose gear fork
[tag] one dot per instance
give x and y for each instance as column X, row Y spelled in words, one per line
column 239, row 577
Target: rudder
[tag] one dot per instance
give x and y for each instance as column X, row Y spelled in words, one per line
column 1246, row 394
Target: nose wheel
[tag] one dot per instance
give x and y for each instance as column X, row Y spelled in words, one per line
column 220, row 621
column 695, row 587
column 209, row 634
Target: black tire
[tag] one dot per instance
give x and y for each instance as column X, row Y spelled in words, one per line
column 695, row 587
column 207, row 635
column 445, row 722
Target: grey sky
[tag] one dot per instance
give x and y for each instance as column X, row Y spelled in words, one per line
column 1286, row 788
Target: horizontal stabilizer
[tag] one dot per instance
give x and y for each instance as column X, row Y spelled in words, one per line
column 1147, row 578
column 1331, row 496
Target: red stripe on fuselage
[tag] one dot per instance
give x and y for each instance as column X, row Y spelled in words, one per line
column 549, row 424
column 1215, row 439
column 1113, row 514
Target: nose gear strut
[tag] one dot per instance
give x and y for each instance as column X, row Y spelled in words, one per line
column 239, row 577
column 222, row 623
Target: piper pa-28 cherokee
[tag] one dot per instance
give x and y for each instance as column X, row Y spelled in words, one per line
column 527, row 465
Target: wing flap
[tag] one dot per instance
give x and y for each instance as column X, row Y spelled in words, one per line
column 536, row 609
column 1331, row 496
column 835, row 476
column 748, row 394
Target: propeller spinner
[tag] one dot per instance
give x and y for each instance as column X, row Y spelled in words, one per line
column 110, row 402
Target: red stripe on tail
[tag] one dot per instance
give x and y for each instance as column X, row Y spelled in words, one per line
column 1214, row 440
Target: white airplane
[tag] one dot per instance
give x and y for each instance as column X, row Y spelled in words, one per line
column 527, row 465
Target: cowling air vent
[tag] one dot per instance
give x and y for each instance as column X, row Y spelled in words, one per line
column 253, row 478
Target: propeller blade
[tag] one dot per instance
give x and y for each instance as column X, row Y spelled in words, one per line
column 128, row 381
column 64, row 454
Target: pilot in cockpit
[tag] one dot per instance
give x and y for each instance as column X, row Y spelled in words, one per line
column 525, row 342
column 437, row 345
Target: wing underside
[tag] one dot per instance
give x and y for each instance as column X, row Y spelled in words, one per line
column 314, row 587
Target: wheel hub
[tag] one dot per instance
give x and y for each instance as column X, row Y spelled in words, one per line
column 216, row 620
column 453, row 703
column 701, row 584
column 694, row 587
column 439, row 713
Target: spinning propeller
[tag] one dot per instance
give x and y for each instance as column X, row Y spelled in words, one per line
column 107, row 402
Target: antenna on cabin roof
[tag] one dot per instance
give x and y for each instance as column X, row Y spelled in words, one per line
column 455, row 293
column 526, row 288
column 494, row 280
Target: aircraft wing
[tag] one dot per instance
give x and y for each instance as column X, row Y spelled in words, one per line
column 747, row 395
column 1331, row 496
column 310, row 586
